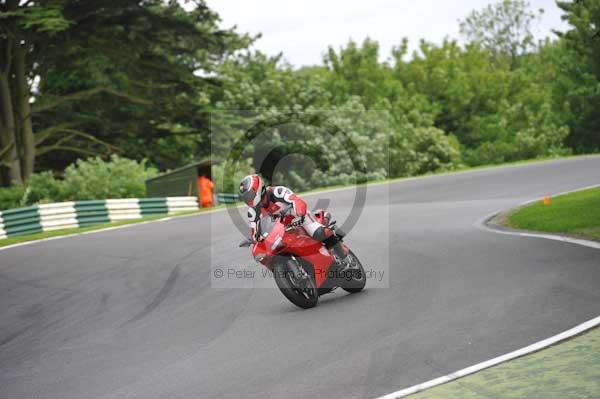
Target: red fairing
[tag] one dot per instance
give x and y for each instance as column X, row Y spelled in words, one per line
column 295, row 242
column 303, row 267
column 301, row 244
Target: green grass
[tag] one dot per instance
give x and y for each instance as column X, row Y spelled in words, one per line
column 576, row 214
column 57, row 233
column 570, row 370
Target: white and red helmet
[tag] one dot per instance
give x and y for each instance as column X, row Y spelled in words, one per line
column 252, row 189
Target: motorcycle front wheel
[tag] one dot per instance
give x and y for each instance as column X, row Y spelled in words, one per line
column 296, row 284
column 357, row 278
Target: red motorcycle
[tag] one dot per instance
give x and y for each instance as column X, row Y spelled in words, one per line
column 304, row 268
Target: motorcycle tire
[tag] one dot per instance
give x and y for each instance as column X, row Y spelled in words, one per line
column 305, row 298
column 359, row 279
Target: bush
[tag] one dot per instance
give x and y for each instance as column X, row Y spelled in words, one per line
column 43, row 188
column 419, row 150
column 10, row 197
column 433, row 151
column 516, row 132
column 94, row 178
column 88, row 179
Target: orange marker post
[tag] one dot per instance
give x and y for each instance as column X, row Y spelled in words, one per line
column 546, row 200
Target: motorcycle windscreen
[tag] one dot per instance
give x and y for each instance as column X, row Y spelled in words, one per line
column 265, row 225
column 272, row 232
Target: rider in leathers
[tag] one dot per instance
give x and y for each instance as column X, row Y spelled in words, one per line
column 262, row 199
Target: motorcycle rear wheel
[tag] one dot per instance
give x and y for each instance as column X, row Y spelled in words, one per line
column 304, row 297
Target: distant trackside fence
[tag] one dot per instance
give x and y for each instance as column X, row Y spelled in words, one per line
column 66, row 215
column 225, row 198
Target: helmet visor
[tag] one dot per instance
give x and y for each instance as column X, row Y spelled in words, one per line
column 248, row 197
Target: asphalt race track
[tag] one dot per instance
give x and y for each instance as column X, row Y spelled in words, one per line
column 131, row 313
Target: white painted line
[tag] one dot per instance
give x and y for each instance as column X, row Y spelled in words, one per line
column 482, row 224
column 555, row 237
column 495, row 361
column 531, row 201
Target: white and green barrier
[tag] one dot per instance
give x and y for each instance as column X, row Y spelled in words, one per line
column 66, row 215
column 225, row 198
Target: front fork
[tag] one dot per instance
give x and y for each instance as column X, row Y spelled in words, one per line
column 299, row 274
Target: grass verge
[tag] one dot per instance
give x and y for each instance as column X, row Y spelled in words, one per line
column 568, row 370
column 576, row 214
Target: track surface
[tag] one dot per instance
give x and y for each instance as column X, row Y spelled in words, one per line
column 131, row 313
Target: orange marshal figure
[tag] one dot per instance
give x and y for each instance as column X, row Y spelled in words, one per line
column 205, row 191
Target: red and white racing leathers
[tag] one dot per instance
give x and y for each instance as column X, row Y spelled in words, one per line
column 279, row 199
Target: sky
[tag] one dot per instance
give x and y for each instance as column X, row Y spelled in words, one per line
column 303, row 30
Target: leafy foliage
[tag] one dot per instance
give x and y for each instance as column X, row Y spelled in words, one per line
column 132, row 78
column 578, row 87
column 327, row 139
column 97, row 179
column 88, row 179
column 10, row 197
column 44, row 188
column 151, row 80
column 503, row 28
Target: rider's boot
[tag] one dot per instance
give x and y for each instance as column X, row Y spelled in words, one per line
column 342, row 259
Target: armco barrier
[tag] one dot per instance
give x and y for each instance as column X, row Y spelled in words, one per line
column 225, row 198
column 21, row 221
column 91, row 212
column 121, row 209
column 58, row 216
column 181, row 204
column 153, row 206
column 66, row 215
column 2, row 232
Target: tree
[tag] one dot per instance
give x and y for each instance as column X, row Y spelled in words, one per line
column 356, row 71
column 21, row 25
column 497, row 113
column 503, row 28
column 133, row 78
column 578, row 86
